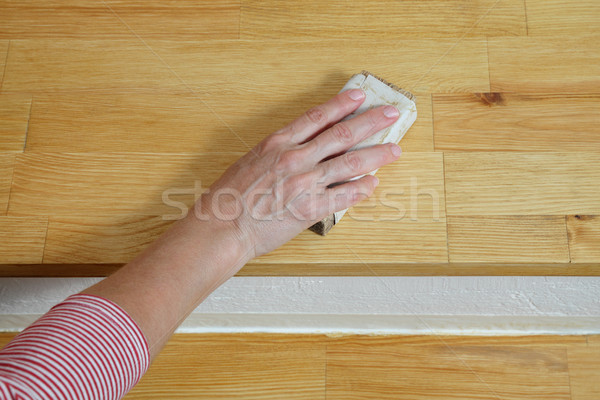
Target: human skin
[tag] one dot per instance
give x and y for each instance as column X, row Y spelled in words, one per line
column 270, row 195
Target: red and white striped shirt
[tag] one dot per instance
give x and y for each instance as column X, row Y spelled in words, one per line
column 86, row 347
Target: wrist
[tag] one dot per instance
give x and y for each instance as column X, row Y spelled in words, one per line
column 221, row 238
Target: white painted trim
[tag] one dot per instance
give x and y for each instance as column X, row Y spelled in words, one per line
column 359, row 305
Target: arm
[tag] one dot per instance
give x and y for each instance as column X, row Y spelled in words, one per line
column 260, row 202
column 271, row 194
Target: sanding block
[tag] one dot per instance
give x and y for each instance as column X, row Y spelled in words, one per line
column 378, row 93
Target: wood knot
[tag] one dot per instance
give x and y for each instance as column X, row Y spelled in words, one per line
column 490, row 99
column 584, row 217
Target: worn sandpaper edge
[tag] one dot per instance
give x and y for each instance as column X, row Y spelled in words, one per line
column 398, row 89
column 325, row 225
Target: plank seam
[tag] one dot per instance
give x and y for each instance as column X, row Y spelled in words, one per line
column 239, row 35
column 526, row 19
column 326, row 365
column 445, row 204
column 568, row 239
column 45, row 239
column 12, row 181
column 27, row 126
column 5, row 65
column 487, row 49
column 569, row 370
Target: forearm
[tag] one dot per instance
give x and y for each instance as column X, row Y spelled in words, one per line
column 161, row 286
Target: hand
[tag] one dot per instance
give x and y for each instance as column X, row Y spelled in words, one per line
column 284, row 184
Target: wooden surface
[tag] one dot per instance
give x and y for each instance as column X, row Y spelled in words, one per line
column 260, row 366
column 105, row 106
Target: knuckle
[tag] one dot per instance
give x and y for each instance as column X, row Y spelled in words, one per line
column 295, row 183
column 289, row 160
column 269, row 144
column 316, row 115
column 342, row 133
column 353, row 161
column 303, row 180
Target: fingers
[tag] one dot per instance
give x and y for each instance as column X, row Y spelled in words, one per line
column 346, row 195
column 359, row 162
column 341, row 137
column 320, row 117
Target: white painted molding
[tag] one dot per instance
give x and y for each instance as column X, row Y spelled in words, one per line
column 361, row 305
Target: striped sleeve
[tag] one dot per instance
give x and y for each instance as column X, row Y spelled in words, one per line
column 84, row 348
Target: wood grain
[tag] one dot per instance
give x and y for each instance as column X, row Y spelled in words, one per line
column 304, row 366
column 507, row 239
column 142, row 121
column 406, row 214
column 14, row 118
column 104, row 184
column 118, row 183
column 584, row 238
column 535, row 65
column 511, row 183
column 45, row 64
column 119, row 19
column 236, row 366
column 22, row 239
column 583, row 369
column 7, row 162
column 557, row 17
column 404, row 221
column 382, row 19
column 244, row 68
column 92, row 239
column 515, row 122
column 445, row 370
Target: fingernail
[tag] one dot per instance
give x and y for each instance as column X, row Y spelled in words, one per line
column 396, row 150
column 390, row 112
column 356, row 94
column 376, row 180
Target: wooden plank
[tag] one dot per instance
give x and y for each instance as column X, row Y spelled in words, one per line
column 545, row 64
column 364, row 244
column 405, row 218
column 510, row 183
column 507, row 239
column 404, row 221
column 515, row 122
column 404, row 365
column 84, row 184
column 584, row 369
column 7, row 162
column 120, row 183
column 14, row 118
column 61, row 63
column 584, row 238
column 89, row 240
column 144, row 121
column 228, row 366
column 382, row 19
column 332, row 269
column 23, row 239
column 423, row 341
column 446, row 369
column 244, row 68
column 557, row 17
column 119, row 19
